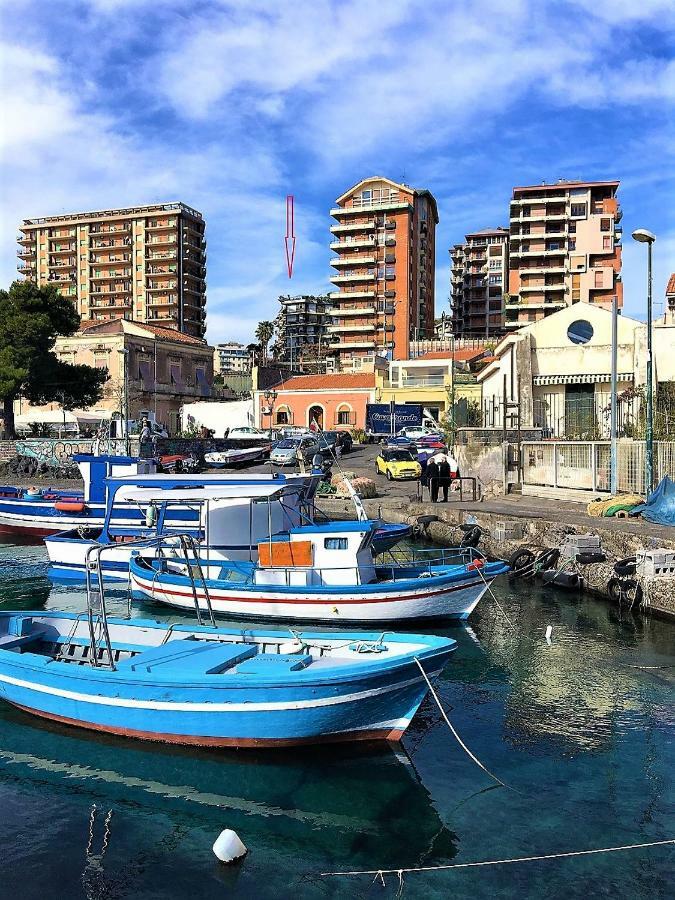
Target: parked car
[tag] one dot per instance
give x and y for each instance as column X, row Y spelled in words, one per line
column 397, row 464
column 329, row 441
column 286, row 452
column 415, row 432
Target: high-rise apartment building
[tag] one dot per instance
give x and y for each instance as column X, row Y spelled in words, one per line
column 565, row 246
column 231, row 359
column 479, row 276
column 300, row 329
column 385, row 244
column 144, row 263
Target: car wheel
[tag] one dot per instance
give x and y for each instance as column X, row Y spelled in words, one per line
column 389, row 475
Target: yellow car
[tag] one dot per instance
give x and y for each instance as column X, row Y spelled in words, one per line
column 397, row 464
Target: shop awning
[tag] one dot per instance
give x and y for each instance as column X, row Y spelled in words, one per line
column 580, row 379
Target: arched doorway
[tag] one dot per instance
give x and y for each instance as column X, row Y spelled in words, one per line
column 315, row 418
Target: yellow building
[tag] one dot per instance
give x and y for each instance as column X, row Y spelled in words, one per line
column 164, row 368
column 146, row 263
column 427, row 380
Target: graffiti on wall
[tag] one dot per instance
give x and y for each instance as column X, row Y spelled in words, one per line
column 56, row 452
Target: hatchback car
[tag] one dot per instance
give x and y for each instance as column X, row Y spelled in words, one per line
column 397, row 464
column 286, row 452
column 415, row 432
column 329, row 441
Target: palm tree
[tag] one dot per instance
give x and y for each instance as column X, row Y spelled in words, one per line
column 264, row 333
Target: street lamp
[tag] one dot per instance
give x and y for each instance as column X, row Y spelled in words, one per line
column 646, row 237
column 270, row 399
column 124, row 399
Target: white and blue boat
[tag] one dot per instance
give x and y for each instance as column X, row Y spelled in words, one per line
column 320, row 573
column 35, row 512
column 214, row 687
column 228, row 514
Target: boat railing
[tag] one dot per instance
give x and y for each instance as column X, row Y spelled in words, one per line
column 101, row 653
column 434, row 556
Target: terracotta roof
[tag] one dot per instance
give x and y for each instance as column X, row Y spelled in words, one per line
column 166, row 334
column 346, row 381
column 460, row 354
column 671, row 284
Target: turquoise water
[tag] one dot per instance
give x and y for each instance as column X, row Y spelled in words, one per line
column 582, row 738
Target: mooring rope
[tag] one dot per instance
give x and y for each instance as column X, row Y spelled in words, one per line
column 454, row 731
column 492, row 594
column 380, row 873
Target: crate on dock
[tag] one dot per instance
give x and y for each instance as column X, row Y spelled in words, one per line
column 655, row 563
column 575, row 545
column 507, row 531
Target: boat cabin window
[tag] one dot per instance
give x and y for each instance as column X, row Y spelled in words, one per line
column 335, row 543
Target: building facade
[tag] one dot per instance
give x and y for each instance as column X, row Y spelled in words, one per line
column 384, row 238
column 336, row 401
column 164, row 368
column 300, row 330
column 565, row 248
column 479, row 279
column 145, row 263
column 231, row 359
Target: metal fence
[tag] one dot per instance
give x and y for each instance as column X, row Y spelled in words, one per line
column 585, row 465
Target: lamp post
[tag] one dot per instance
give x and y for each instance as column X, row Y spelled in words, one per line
column 124, row 405
column 270, row 398
column 646, row 237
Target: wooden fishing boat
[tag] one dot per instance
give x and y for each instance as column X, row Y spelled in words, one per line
column 211, row 686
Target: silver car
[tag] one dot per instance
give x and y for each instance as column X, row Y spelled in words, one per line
column 286, row 452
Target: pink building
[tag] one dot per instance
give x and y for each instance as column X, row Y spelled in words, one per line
column 331, row 401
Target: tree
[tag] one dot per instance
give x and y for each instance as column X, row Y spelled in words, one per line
column 31, row 319
column 264, row 333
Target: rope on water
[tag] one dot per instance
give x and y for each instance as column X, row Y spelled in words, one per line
column 380, row 873
column 492, row 594
column 454, row 732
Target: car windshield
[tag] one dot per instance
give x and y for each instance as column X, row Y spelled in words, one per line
column 287, row 444
column 328, row 438
column 401, row 456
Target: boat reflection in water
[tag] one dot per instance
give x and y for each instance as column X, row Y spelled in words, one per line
column 314, row 805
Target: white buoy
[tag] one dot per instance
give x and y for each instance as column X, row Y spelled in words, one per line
column 549, row 632
column 228, row 847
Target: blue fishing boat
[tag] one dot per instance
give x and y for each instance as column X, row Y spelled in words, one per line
column 211, row 686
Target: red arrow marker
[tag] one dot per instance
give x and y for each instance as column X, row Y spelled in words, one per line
column 289, row 240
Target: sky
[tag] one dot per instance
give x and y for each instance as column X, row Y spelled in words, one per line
column 231, row 105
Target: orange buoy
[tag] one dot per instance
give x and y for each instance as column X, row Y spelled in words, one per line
column 476, row 564
column 73, row 506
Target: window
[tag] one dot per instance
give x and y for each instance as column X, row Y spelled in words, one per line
column 580, row 332
column 572, row 227
column 344, row 417
column 606, row 242
column 572, row 244
column 495, row 279
column 579, row 210
column 598, row 278
column 282, row 417
column 335, row 543
column 605, row 224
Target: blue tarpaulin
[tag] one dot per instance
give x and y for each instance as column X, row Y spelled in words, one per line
column 660, row 505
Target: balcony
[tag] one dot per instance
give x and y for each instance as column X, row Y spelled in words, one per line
column 108, row 260
column 350, row 295
column 161, row 226
column 348, row 245
column 162, row 241
column 107, row 292
column 111, row 242
column 69, row 249
column 358, row 206
column 26, row 239
column 352, row 260
column 26, row 270
column 350, row 279
column 355, row 226
column 532, row 253
column 539, row 288
column 349, row 329
column 354, row 345
column 111, row 276
column 113, row 302
column 164, row 255
column 351, row 311
column 26, row 253
column 164, row 286
column 540, row 217
column 122, row 228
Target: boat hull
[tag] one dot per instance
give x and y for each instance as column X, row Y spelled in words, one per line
column 428, row 599
column 369, row 699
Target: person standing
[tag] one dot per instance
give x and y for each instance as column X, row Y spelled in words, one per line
column 432, row 479
column 146, row 432
column 444, row 477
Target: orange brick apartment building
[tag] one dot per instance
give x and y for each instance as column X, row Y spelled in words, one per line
column 564, row 246
column 384, row 238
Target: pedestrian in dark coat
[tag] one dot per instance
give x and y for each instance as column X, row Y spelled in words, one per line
column 433, row 479
column 444, row 478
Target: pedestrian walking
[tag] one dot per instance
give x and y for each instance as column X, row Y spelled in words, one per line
column 432, row 478
column 444, row 478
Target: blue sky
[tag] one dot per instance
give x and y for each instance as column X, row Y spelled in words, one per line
column 230, row 106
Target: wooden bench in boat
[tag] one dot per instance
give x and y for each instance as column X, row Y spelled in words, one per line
column 190, row 657
column 271, row 663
